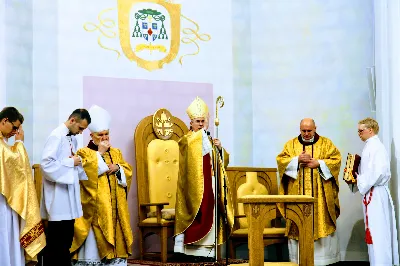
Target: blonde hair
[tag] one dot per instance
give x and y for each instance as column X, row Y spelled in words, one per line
column 370, row 123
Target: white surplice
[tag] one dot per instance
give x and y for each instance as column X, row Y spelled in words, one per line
column 11, row 251
column 88, row 254
column 61, row 198
column 326, row 249
column 375, row 172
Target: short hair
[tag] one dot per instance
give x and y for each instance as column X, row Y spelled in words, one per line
column 12, row 114
column 81, row 114
column 370, row 123
column 312, row 121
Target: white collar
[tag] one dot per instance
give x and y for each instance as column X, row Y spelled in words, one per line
column 372, row 138
column 63, row 129
column 310, row 140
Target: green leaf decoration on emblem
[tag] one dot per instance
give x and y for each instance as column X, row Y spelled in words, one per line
column 149, row 12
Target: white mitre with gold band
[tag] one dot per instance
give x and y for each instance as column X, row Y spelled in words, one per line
column 101, row 119
column 198, row 108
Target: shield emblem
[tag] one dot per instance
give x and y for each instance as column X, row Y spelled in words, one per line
column 149, row 31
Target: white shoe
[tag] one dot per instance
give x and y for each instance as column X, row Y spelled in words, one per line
column 179, row 247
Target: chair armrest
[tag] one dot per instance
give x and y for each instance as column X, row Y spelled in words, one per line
column 159, row 206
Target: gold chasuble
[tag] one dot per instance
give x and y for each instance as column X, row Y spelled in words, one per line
column 105, row 206
column 310, row 182
column 17, row 187
column 194, row 215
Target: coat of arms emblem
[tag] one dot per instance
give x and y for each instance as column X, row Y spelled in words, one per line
column 149, row 32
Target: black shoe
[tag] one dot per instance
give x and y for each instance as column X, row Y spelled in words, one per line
column 203, row 259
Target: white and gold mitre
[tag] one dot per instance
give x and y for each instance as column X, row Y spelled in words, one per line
column 198, row 108
column 101, row 119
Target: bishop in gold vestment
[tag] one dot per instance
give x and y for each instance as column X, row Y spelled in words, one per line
column 201, row 161
column 103, row 236
column 309, row 165
column 21, row 229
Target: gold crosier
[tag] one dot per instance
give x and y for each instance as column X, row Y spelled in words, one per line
column 220, row 102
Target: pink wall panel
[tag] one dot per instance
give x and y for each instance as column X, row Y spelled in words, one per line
column 129, row 101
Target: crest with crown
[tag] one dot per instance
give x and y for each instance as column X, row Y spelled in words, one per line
column 198, row 108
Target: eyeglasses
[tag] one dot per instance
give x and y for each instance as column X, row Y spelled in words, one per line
column 361, row 130
column 14, row 128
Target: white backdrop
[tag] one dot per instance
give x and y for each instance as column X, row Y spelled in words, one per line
column 273, row 61
column 2, row 55
column 387, row 61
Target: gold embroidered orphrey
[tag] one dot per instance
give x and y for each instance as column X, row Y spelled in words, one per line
column 174, row 10
column 162, row 124
column 32, row 235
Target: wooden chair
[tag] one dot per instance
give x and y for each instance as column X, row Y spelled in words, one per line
column 157, row 167
column 37, row 178
column 298, row 209
column 254, row 181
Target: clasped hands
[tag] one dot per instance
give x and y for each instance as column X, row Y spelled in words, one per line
column 102, row 148
column 305, row 160
column 77, row 159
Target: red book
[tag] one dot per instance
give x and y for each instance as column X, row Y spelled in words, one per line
column 352, row 164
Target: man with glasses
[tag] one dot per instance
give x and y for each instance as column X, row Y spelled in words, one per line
column 61, row 202
column 21, row 228
column 373, row 183
column 309, row 165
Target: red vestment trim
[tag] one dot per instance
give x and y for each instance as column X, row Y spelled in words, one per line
column 203, row 221
column 32, row 235
column 368, row 236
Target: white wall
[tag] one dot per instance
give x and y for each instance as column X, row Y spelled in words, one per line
column 45, row 72
column 2, row 55
column 387, row 61
column 242, row 82
column 16, row 59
